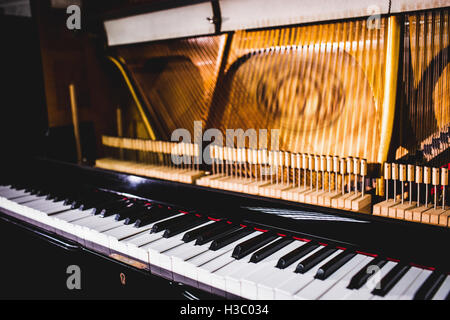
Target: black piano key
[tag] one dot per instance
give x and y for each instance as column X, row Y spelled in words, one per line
column 32, row 191
column 310, row 262
column 122, row 213
column 92, row 199
column 163, row 225
column 333, row 265
column 428, row 289
column 129, row 212
column 194, row 234
column 132, row 216
column 390, row 279
column 361, row 277
column 270, row 249
column 114, row 209
column 296, row 254
column 132, row 219
column 182, row 227
column 153, row 215
column 216, row 234
column 230, row 238
column 245, row 248
column 117, row 210
column 98, row 208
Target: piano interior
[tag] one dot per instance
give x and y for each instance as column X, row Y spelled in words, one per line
column 233, row 149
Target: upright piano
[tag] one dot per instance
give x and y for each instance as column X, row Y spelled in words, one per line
column 256, row 149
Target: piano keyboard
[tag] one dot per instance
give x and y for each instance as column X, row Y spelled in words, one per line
column 220, row 256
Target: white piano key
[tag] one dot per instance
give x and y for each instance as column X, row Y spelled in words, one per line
column 5, row 187
column 55, row 208
column 135, row 246
column 157, row 248
column 30, row 213
column 402, row 285
column 98, row 235
column 412, row 289
column 266, row 287
column 237, row 282
column 191, row 266
column 66, row 220
column 218, row 277
column 39, row 203
column 117, row 235
column 317, row 287
column 72, row 215
column 123, row 245
column 365, row 292
column 94, row 232
column 339, row 289
column 11, row 194
column 29, row 198
column 62, row 220
column 205, row 271
column 14, row 207
column 292, row 285
column 178, row 255
column 47, row 206
column 443, row 290
column 249, row 284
